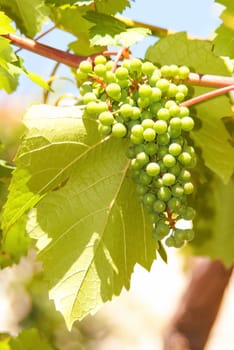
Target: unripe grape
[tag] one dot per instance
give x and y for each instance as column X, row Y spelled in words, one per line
column 169, row 160
column 100, row 70
column 172, row 90
column 168, row 179
column 147, row 123
column 149, row 199
column 164, row 193
column 145, row 91
column 136, row 140
column 174, row 111
column 153, row 169
column 145, row 179
column 188, row 188
column 119, row 130
column 143, row 102
column 142, row 158
column 160, row 126
column 162, row 151
column 177, row 190
column 184, row 175
column 184, row 112
column 161, row 230
column 156, row 94
column 174, row 204
column 106, row 118
column 141, row 189
column 110, row 77
column 170, row 242
column 135, row 65
column 163, row 139
column 147, row 68
column 159, row 206
column 174, row 149
column 185, row 158
column 126, row 110
column 100, row 59
column 89, row 97
column 187, row 123
column 121, row 73
column 151, row 148
column 183, row 72
column 137, row 130
column 174, row 69
column 165, row 70
column 86, row 66
column 163, row 114
column 189, row 235
column 180, row 97
column 188, row 213
column 149, row 134
column 179, row 235
column 163, row 84
column 136, row 112
column 104, row 129
column 113, row 90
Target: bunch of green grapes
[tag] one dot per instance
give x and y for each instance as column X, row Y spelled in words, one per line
column 140, row 101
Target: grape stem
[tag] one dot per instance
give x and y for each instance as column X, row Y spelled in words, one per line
column 73, row 61
column 124, row 52
column 207, row 96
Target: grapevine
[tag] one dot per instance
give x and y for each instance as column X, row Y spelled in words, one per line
column 137, row 100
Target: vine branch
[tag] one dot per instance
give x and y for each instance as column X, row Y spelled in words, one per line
column 72, row 60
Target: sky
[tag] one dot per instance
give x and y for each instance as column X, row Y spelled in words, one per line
column 197, row 17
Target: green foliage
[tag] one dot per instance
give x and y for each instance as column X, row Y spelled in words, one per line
column 224, row 34
column 214, row 221
column 5, row 24
column 29, row 339
column 28, row 15
column 212, row 137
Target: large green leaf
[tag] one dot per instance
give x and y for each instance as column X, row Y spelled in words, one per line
column 29, row 15
column 111, row 7
column 214, row 222
column 92, row 232
column 54, row 138
column 212, row 138
column 29, row 339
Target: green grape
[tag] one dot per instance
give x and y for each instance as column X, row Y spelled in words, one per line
column 137, row 130
column 175, row 123
column 165, row 70
column 163, row 114
column 174, row 149
column 124, row 83
column 184, row 112
column 170, row 242
column 89, row 97
column 130, row 152
column 145, row 91
column 178, row 243
column 149, row 199
column 153, row 169
column 136, row 113
column 187, row 123
column 104, row 129
column 174, row 204
column 179, row 97
column 113, row 90
column 155, row 107
column 174, row 111
column 151, row 148
column 146, row 115
column 81, row 76
column 185, row 158
column 177, row 190
column 183, row 72
column 188, row 213
column 94, row 108
column 126, row 110
column 184, row 175
column 160, row 126
column 141, row 189
column 147, row 68
column 135, row 65
column 168, row 179
column 106, row 118
column 121, row 73
column 183, row 88
column 119, row 130
column 163, row 139
column 189, row 235
column 143, row 102
column 161, row 230
column 156, row 94
column 169, row 160
column 109, row 65
column 136, row 140
column 163, row 84
column 174, row 70
column 100, row 70
column 135, row 164
column 139, row 148
column 159, row 206
column 172, row 90
column 142, row 158
column 164, row 193
column 147, row 123
column 179, row 234
column 170, row 103
column 188, row 188
column 149, row 134
column 158, row 183
column 174, row 132
column 110, row 77
column 100, row 59
column 175, row 170
column 144, row 178
column 153, row 217
column 86, row 66
column 162, row 151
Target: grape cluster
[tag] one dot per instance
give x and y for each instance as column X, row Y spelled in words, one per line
column 140, row 101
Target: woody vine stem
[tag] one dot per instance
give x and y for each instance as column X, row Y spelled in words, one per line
column 225, row 84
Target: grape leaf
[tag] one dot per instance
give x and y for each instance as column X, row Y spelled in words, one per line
column 111, row 7
column 4, row 344
column 92, row 232
column 68, row 2
column 212, row 138
column 214, row 221
column 55, row 137
column 29, row 339
column 29, row 15
column 224, row 34
column 5, row 24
